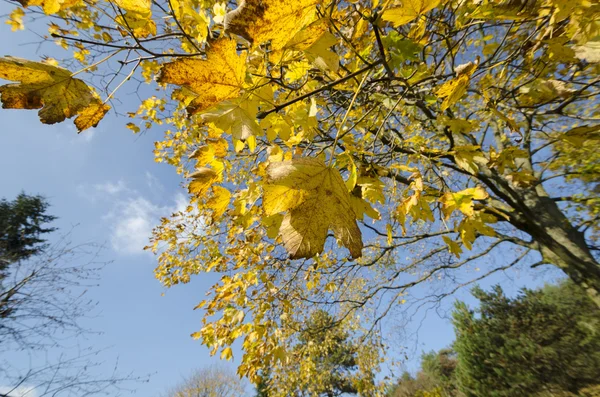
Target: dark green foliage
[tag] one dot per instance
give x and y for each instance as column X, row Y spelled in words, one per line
column 262, row 387
column 543, row 341
column 21, row 228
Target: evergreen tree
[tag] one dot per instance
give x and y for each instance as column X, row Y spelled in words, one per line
column 542, row 342
column 21, row 228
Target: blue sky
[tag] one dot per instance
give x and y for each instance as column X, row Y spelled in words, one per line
column 106, row 182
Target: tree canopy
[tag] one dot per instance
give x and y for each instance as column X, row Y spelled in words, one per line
column 338, row 153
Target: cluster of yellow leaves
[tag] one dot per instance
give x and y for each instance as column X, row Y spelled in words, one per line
column 51, row 89
column 137, row 17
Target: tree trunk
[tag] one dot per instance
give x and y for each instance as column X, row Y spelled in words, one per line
column 559, row 242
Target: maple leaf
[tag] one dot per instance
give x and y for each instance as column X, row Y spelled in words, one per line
column 452, row 90
column 202, row 179
column 259, row 21
column 462, row 201
column 236, row 116
column 51, row 89
column 316, row 199
column 217, row 78
column 219, row 202
column 589, row 52
column 408, row 11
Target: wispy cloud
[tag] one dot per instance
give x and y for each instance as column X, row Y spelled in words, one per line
column 134, row 218
column 100, row 191
column 131, row 215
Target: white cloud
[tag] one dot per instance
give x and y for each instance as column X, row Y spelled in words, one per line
column 131, row 215
column 21, row 391
column 153, row 182
column 99, row 191
column 110, row 187
column 135, row 217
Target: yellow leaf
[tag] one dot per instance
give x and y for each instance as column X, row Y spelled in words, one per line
column 139, row 6
column 279, row 354
column 297, row 70
column 589, row 52
column 578, row 135
column 227, row 354
column 91, row 115
column 462, row 200
column 316, row 200
column 219, row 202
column 320, row 55
column 137, row 18
column 272, row 224
column 270, row 20
column 15, row 19
column 211, row 81
column 452, row 90
column 305, row 38
column 409, row 10
column 51, row 89
column 219, row 10
column 362, row 207
column 467, row 157
column 236, row 117
column 202, row 179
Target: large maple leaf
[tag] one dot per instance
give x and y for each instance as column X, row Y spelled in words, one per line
column 209, row 81
column 275, row 21
column 51, row 89
column 316, row 199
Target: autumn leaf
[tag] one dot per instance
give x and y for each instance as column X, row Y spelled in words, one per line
column 51, row 89
column 219, row 202
column 270, row 20
column 408, row 11
column 463, row 201
column 217, row 78
column 453, row 90
column 202, row 180
column 589, row 52
column 578, row 135
column 316, row 199
column 237, row 117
